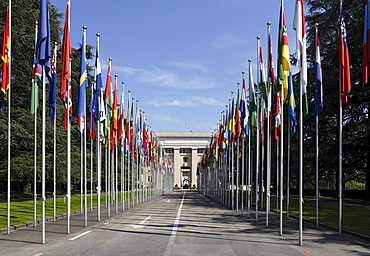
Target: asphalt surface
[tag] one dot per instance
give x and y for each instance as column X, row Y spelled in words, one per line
column 180, row 223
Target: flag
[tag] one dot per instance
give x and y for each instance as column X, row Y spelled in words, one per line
column 344, row 59
column 262, row 75
column 252, row 106
column 232, row 121
column 65, row 87
column 292, row 107
column 108, row 99
column 237, row 117
column 36, row 76
column 43, row 49
column 271, row 68
column 5, row 57
column 53, row 85
column 81, row 99
column 91, row 117
column 145, row 137
column 98, row 82
column 277, row 116
column 300, row 28
column 284, row 57
column 226, row 129
column 243, row 110
column 319, row 96
column 366, row 45
column 101, row 119
column 114, row 125
column 121, row 116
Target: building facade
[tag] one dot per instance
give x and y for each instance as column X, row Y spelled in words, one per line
column 185, row 150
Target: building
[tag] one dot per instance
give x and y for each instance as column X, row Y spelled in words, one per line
column 185, row 150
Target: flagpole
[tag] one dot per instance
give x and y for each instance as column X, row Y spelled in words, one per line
column 43, row 154
column 123, row 151
column 249, row 186
column 34, row 107
column 137, row 156
column 258, row 131
column 55, row 150
column 268, row 174
column 68, row 160
column 128, row 148
column 281, row 140
column 340, row 144
column 9, row 123
column 98, row 151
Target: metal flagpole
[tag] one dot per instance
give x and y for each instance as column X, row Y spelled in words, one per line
column 123, row 152
column 55, row 150
column 35, row 137
column 9, row 123
column 340, row 145
column 43, row 154
column 317, row 172
column 288, row 170
column 98, row 155
column 68, row 162
column 85, row 163
column 137, row 156
column 81, row 170
column 281, row 140
column 268, row 174
column 232, row 158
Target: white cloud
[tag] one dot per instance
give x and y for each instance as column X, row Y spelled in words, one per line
column 160, row 77
column 190, row 65
column 226, row 41
column 163, row 118
column 207, row 101
column 192, row 102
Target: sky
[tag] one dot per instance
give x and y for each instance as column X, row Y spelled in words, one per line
column 179, row 59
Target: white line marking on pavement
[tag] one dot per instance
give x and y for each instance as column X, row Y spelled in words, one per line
column 169, row 200
column 78, row 236
column 141, row 224
column 171, row 241
column 109, row 221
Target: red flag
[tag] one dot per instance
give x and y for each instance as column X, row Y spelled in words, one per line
column 5, row 57
column 121, row 116
column 65, row 86
column 344, row 59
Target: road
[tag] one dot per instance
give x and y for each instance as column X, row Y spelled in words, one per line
column 180, row 223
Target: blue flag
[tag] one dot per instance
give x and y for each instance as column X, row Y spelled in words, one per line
column 292, row 106
column 53, row 86
column 43, row 38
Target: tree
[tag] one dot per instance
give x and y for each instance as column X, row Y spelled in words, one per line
column 355, row 113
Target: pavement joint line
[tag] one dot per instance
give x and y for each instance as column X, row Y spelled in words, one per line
column 80, row 235
column 171, row 241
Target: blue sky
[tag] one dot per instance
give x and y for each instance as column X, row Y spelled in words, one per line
column 180, row 59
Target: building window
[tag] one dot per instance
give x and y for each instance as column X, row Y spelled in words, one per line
column 185, row 151
column 200, row 151
column 185, row 159
column 169, row 150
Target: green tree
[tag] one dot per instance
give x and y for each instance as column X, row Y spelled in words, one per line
column 355, row 114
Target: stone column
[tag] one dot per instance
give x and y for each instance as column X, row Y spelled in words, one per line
column 194, row 162
column 176, row 166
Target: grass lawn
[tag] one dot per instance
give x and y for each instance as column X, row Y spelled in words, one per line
column 356, row 214
column 22, row 211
